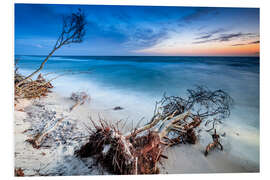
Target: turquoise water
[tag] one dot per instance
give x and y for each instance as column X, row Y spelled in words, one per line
column 150, row 77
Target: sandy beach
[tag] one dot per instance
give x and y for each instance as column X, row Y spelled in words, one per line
column 56, row 156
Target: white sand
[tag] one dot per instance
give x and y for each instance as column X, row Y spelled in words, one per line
column 58, row 158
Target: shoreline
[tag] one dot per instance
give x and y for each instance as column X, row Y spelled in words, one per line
column 59, row 159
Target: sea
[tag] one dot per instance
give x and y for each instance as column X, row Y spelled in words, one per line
column 137, row 82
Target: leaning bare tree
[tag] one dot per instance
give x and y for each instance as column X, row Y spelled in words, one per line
column 73, row 31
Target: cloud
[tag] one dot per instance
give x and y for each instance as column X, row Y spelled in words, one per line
column 242, row 44
column 226, row 37
column 145, row 37
column 207, row 35
column 127, row 31
column 127, row 35
column 255, row 42
column 199, row 13
column 204, row 37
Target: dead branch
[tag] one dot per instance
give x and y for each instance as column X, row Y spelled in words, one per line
column 80, row 98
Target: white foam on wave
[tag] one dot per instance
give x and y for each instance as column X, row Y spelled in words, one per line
column 138, row 104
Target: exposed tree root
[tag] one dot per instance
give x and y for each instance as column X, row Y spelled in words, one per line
column 133, row 153
column 120, row 155
column 174, row 122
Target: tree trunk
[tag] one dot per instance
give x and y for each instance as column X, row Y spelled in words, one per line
column 164, row 129
column 39, row 69
column 167, row 122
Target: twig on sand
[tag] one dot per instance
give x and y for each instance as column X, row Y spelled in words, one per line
column 213, row 145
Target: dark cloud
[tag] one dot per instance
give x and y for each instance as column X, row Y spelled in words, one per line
column 129, row 35
column 198, row 13
column 121, row 27
column 242, row 44
column 145, row 37
column 226, row 37
column 217, row 31
column 204, row 37
column 255, row 42
column 207, row 35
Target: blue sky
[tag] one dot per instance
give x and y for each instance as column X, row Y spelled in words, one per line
column 140, row 30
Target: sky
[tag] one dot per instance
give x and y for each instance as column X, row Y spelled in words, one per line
column 140, row 30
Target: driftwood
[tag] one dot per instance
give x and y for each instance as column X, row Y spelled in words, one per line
column 175, row 121
column 39, row 138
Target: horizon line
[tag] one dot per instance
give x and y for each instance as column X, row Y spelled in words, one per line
column 145, row 55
